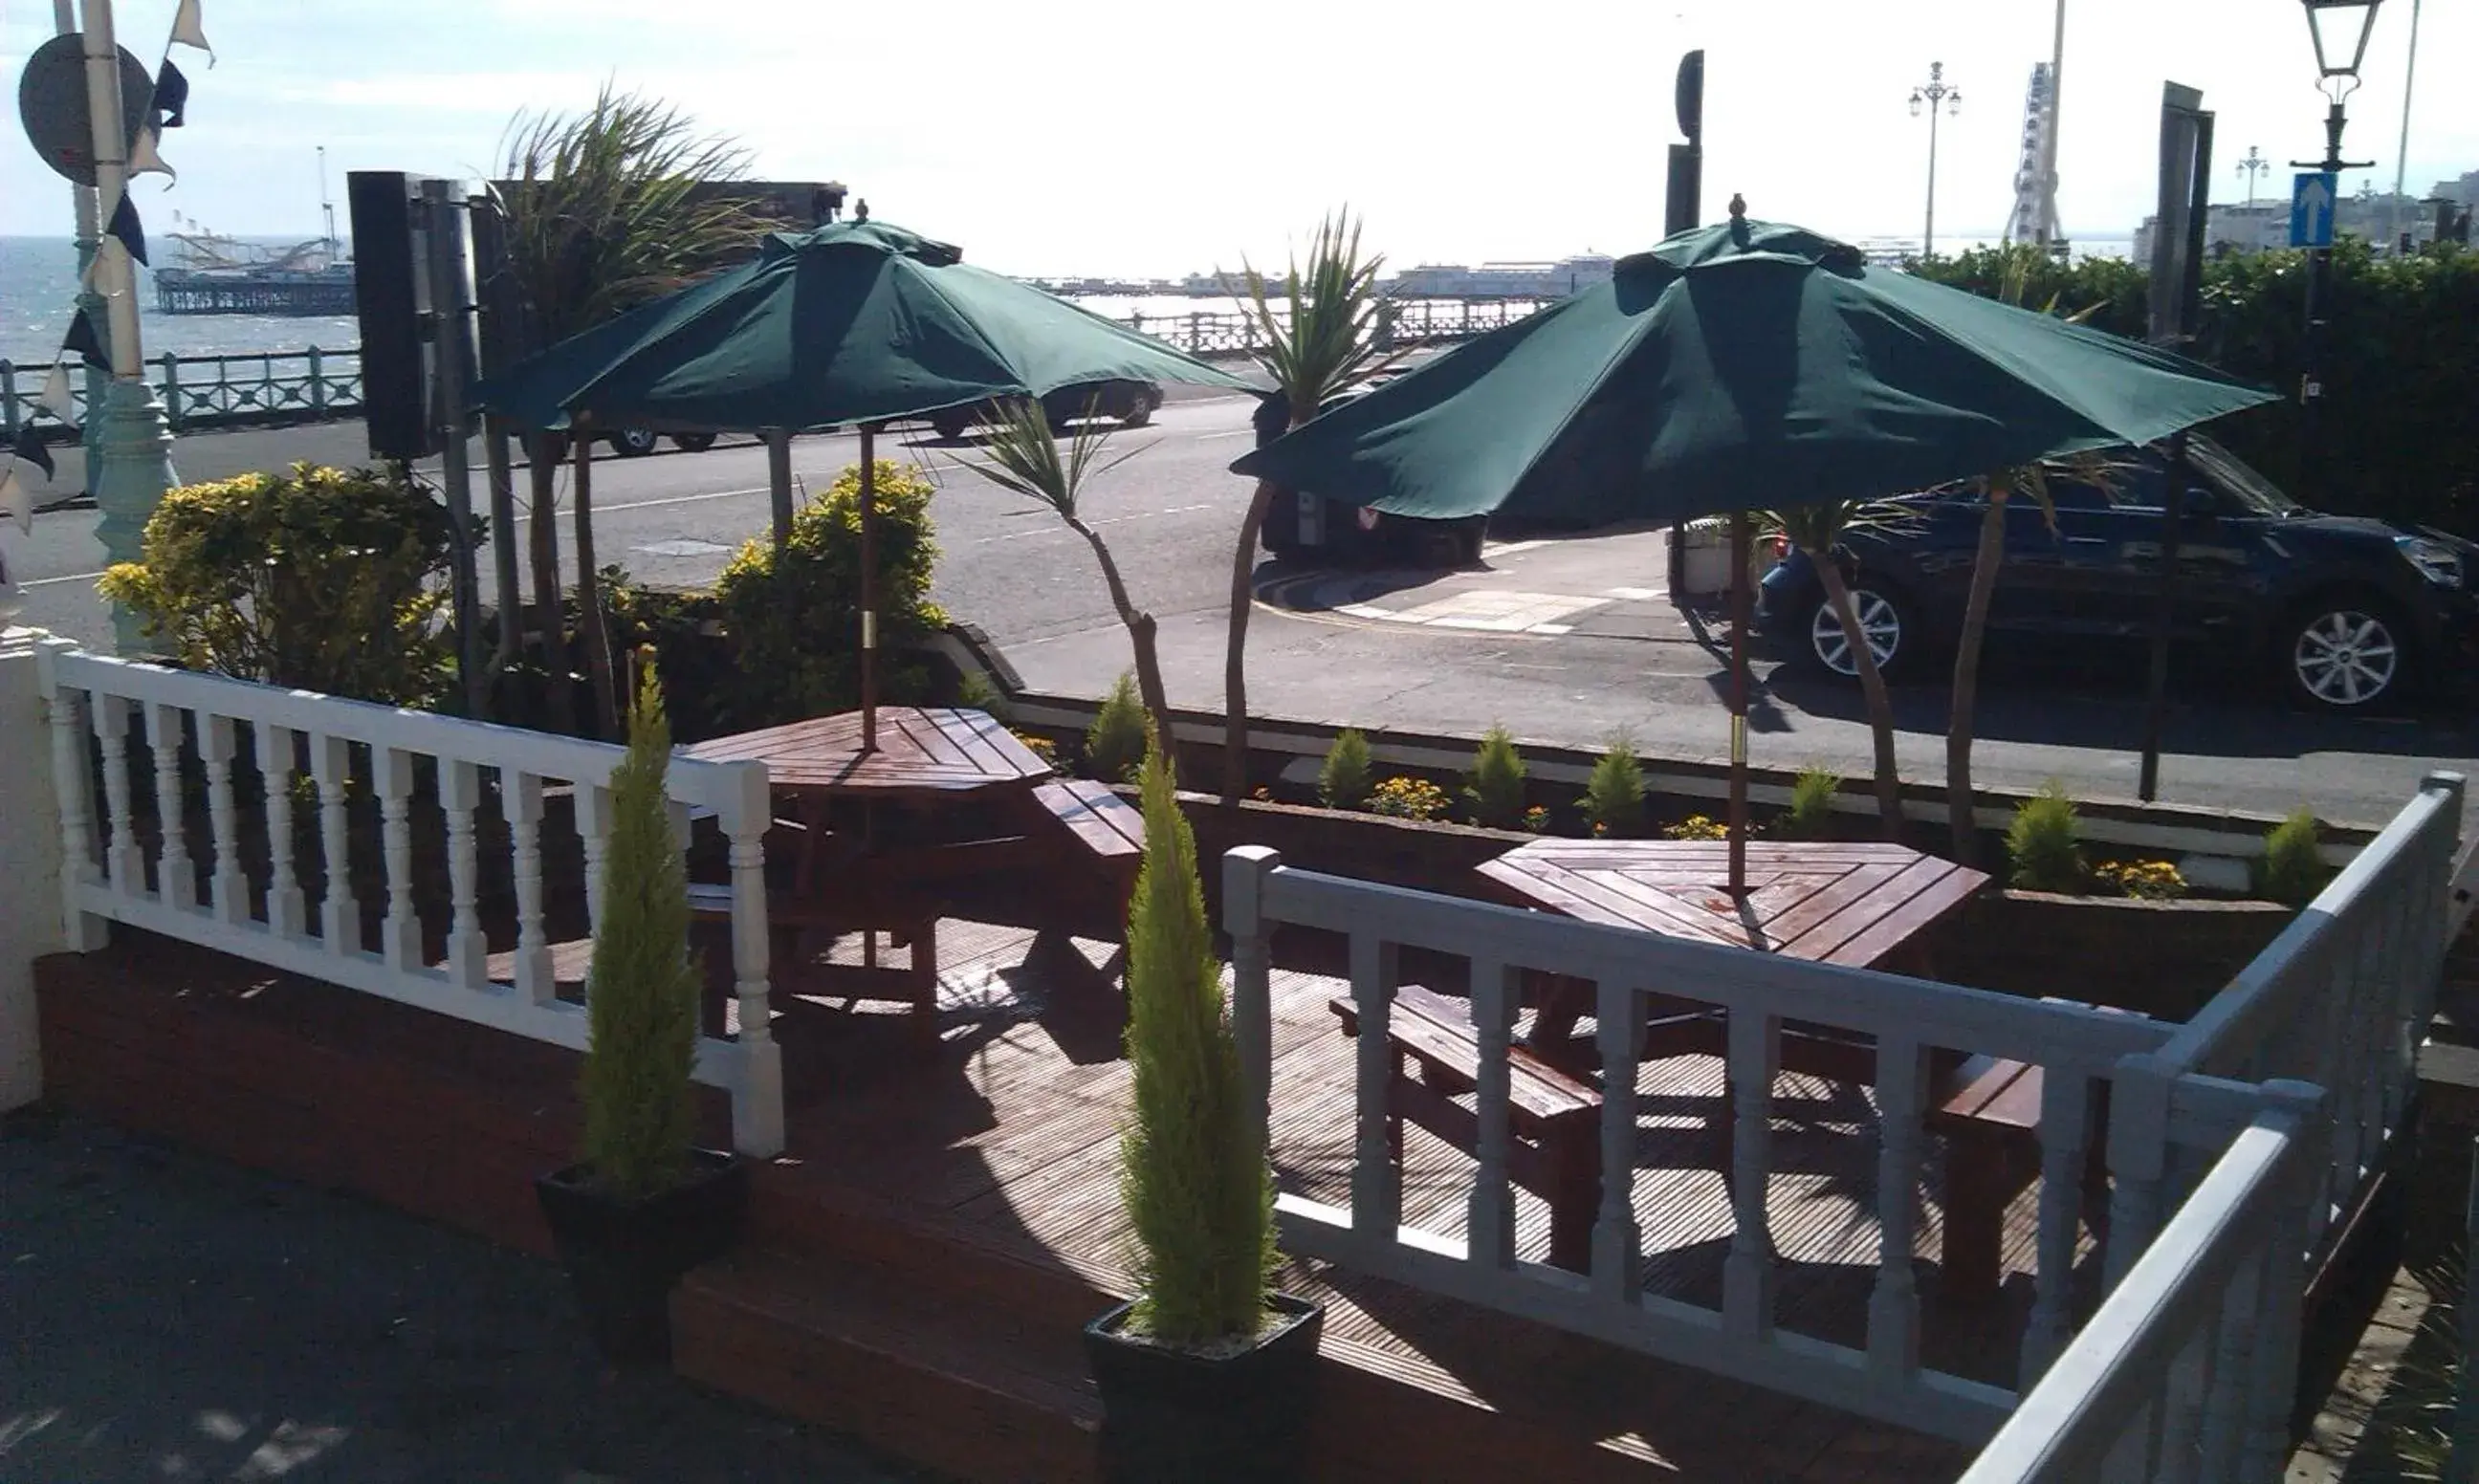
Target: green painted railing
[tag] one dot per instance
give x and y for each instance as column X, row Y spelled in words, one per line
column 215, row 391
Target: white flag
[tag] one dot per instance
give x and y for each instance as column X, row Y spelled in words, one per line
column 18, row 501
column 145, row 161
column 186, row 31
column 56, row 399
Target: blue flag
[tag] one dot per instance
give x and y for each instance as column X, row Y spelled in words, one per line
column 171, row 96
column 126, row 229
column 30, row 447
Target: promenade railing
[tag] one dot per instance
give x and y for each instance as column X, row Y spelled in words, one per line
column 273, row 387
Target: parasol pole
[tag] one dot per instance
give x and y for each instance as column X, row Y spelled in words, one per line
column 1742, row 562
column 868, row 587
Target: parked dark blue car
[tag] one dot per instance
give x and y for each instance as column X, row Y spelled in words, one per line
column 2347, row 613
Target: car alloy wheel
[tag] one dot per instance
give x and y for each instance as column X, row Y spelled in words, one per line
column 1879, row 618
column 634, row 442
column 2345, row 658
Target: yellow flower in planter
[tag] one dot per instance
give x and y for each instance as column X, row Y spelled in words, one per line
column 2149, row 881
column 1696, row 827
column 1408, row 797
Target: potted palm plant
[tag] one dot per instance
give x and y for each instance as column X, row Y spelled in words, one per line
column 642, row 1205
column 1209, row 1375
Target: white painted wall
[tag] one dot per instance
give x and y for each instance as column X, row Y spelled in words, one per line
column 29, row 863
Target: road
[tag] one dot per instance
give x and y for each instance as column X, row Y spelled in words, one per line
column 1563, row 642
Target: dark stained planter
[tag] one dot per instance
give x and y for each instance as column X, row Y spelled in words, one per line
column 625, row 1257
column 1238, row 1418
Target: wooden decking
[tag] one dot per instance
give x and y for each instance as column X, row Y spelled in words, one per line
column 941, row 1223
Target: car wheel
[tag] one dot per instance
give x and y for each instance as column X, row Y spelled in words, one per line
column 634, row 442
column 1883, row 618
column 2345, row 654
column 1139, row 412
column 693, row 443
column 949, row 425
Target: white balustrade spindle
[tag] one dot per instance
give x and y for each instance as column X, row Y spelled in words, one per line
column 72, row 771
column 1617, row 1243
column 1894, row 1304
column 1490, row 1221
column 1747, row 1273
column 460, row 794
column 176, row 880
column 340, row 915
column 286, row 916
column 124, row 862
column 2064, row 1101
column 1376, row 1179
column 231, row 887
column 400, row 933
column 521, row 804
column 594, row 831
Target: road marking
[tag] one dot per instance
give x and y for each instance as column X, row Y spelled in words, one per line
column 1639, row 594
column 1552, row 629
column 685, row 547
column 74, row 577
column 1147, row 515
column 1509, row 549
column 1238, row 433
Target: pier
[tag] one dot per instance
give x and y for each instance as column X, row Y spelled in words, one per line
column 192, row 291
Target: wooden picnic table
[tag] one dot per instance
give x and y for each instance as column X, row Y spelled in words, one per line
column 923, row 753
column 1861, row 905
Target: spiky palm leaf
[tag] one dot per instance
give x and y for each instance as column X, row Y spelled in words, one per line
column 1328, row 340
column 1022, row 455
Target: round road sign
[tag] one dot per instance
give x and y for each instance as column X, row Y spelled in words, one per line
column 51, row 98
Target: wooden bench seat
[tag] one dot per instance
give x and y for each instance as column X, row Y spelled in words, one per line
column 1110, row 829
column 1553, row 1118
column 796, row 922
column 1987, row 1109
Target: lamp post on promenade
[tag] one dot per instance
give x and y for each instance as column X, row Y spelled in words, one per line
column 1926, row 98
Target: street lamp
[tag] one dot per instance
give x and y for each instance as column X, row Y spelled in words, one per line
column 1925, row 98
column 2252, row 167
column 2341, row 29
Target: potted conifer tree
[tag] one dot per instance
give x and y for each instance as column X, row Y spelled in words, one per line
column 1209, row 1375
column 642, row 1206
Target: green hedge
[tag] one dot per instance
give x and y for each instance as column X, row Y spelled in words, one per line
column 2401, row 366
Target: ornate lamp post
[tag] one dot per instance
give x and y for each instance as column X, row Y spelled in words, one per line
column 2341, row 29
column 2253, row 167
column 1925, row 98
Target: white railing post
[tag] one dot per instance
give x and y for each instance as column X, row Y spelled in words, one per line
column 286, row 916
column 2138, row 1157
column 1245, row 870
column 176, row 880
column 1618, row 1242
column 521, row 804
column 1893, row 1306
column 1747, row 1273
column 34, row 852
column 2281, row 1291
column 460, row 794
column 230, row 886
column 1377, row 1180
column 593, row 803
column 1491, row 1223
column 757, row 1101
column 2064, row 1091
column 74, row 790
column 340, row 915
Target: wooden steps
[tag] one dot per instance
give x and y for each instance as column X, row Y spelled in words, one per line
column 953, row 1384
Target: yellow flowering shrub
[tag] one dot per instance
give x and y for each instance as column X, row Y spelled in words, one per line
column 1408, row 797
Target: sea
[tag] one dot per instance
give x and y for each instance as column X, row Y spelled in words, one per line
column 39, row 285
column 39, row 288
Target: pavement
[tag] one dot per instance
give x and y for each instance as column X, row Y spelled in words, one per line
column 164, row 1317
column 1563, row 642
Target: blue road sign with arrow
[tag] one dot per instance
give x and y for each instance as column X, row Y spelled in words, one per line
column 2312, row 194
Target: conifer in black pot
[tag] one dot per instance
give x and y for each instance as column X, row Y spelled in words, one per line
column 1208, row 1376
column 643, row 1205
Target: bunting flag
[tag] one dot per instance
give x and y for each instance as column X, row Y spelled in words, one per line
column 144, row 160
column 171, row 96
column 17, row 500
column 56, row 398
column 81, row 342
column 30, row 448
column 126, row 229
column 185, row 30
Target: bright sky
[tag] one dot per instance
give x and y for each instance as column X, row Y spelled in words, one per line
column 1055, row 137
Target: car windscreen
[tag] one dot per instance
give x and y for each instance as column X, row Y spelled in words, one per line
column 2241, row 483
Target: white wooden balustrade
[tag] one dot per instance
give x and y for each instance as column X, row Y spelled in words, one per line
column 2341, row 999
column 2075, row 1045
column 2187, row 1370
column 101, row 709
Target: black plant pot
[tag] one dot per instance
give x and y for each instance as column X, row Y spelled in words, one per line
column 1236, row 1419
column 624, row 1257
